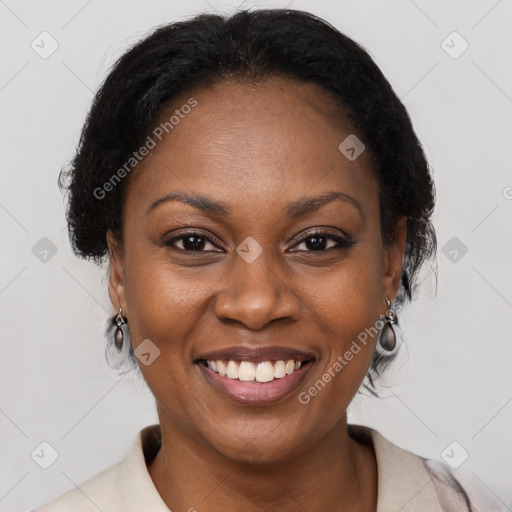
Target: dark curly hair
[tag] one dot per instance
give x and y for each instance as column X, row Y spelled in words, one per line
column 252, row 46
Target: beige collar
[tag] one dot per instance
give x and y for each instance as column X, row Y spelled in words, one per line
column 403, row 482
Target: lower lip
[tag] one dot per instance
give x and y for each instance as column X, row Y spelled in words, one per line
column 253, row 392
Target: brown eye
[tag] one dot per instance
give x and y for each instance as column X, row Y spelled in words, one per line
column 192, row 242
column 323, row 241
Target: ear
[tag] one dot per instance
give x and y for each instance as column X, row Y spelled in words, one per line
column 393, row 256
column 116, row 285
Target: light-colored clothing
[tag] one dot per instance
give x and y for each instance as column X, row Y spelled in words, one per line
column 406, row 482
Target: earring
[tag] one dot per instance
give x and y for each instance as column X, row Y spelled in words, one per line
column 118, row 334
column 387, row 340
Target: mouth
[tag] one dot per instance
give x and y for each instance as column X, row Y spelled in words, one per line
column 260, row 376
column 247, row 371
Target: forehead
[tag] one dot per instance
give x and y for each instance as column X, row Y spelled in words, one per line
column 253, row 143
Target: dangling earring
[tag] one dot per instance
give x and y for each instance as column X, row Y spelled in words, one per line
column 387, row 340
column 118, row 334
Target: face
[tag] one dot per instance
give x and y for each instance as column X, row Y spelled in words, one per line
column 249, row 236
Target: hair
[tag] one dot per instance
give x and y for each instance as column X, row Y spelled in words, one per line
column 250, row 46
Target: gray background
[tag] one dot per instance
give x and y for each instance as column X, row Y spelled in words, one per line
column 454, row 383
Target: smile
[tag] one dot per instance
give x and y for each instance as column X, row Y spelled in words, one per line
column 257, row 376
column 248, row 371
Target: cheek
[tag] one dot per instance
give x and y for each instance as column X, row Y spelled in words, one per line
column 348, row 301
column 165, row 307
column 348, row 314
column 162, row 300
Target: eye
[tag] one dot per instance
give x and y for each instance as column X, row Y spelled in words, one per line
column 314, row 241
column 318, row 241
column 192, row 241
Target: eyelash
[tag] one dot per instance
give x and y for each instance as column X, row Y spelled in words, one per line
column 342, row 242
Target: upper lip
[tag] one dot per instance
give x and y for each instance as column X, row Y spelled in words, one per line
column 256, row 354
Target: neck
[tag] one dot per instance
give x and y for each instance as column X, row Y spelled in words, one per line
column 335, row 472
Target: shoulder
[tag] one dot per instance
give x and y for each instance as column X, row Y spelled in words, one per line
column 459, row 489
column 96, row 493
column 123, row 487
column 409, row 482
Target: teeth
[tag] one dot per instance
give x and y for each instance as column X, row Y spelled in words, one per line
column 265, row 372
column 221, row 368
column 280, row 369
column 232, row 370
column 248, row 371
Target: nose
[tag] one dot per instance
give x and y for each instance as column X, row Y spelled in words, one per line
column 254, row 294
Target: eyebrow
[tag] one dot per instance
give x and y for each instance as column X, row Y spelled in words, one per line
column 309, row 204
column 202, row 203
column 295, row 209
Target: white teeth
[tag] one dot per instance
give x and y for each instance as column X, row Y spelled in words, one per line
column 248, row 371
column 232, row 370
column 265, row 372
column 279, row 369
column 221, row 368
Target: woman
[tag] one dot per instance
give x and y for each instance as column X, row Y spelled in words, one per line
column 265, row 207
